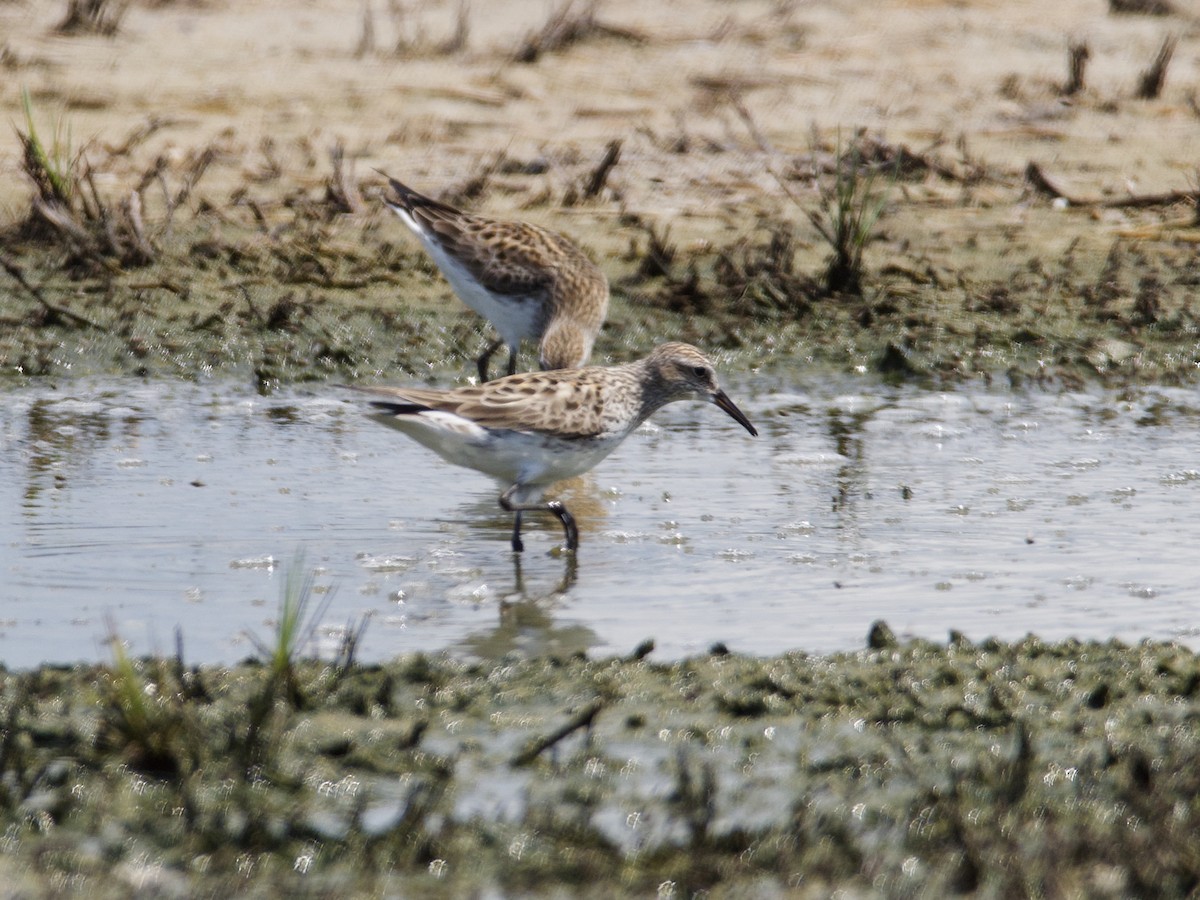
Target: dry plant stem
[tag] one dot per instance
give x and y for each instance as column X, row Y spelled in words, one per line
column 139, row 136
column 582, row 719
column 569, row 25
column 342, row 188
column 474, row 188
column 612, row 155
column 1078, row 54
column 1141, row 7
column 195, row 173
column 848, row 213
column 63, row 221
column 1043, row 183
column 457, row 42
column 132, row 207
column 760, row 139
column 52, row 308
column 1151, row 83
column 98, row 233
column 366, row 42
column 93, row 17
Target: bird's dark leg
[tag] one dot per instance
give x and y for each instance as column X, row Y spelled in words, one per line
column 554, row 506
column 482, row 362
column 517, row 544
column 568, row 523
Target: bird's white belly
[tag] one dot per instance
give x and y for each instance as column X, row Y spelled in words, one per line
column 512, row 457
column 515, row 316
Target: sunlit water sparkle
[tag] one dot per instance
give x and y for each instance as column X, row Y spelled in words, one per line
column 152, row 507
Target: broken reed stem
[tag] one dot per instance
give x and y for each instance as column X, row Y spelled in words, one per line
column 366, row 41
column 341, row 189
column 52, row 308
column 93, row 17
column 1078, row 54
column 1151, row 82
column 457, row 42
column 582, row 719
column 760, row 139
column 1141, row 7
column 569, row 25
column 595, row 184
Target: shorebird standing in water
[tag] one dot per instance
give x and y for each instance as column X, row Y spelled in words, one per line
column 527, row 281
column 534, row 429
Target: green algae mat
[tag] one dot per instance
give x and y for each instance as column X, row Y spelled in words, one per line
column 1009, row 770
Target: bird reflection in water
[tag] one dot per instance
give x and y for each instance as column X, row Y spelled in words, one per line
column 526, row 624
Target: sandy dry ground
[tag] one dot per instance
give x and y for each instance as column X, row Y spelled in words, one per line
column 718, row 105
column 918, row 72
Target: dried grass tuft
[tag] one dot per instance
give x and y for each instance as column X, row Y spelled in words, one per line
column 1151, row 82
column 570, row 24
column 101, row 17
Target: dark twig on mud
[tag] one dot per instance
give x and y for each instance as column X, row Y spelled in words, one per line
column 341, row 188
column 1078, row 54
column 755, row 132
column 92, row 17
column 474, row 188
column 612, row 155
column 139, row 136
column 1142, row 201
column 191, row 179
column 1141, row 7
column 1046, row 184
column 1151, row 82
column 569, row 25
column 52, row 308
column 582, row 719
column 366, row 42
column 457, row 42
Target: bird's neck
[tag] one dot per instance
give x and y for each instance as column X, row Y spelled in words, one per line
column 654, row 395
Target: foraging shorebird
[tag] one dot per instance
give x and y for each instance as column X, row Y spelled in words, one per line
column 533, row 429
column 527, row 281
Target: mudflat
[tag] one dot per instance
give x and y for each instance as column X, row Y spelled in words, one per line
column 189, row 189
column 1032, row 224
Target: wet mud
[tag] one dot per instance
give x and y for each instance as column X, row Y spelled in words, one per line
column 1023, row 769
column 204, row 205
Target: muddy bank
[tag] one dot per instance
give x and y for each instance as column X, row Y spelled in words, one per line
column 900, row 770
column 350, row 297
column 226, row 222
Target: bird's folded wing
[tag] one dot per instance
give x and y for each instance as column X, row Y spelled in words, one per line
column 539, row 402
column 507, row 257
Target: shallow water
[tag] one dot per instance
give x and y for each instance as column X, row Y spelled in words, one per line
column 143, row 508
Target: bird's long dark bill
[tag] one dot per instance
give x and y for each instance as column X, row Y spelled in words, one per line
column 722, row 400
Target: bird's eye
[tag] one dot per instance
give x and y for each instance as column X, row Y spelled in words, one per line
column 700, row 371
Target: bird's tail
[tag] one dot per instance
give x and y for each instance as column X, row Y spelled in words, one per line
column 398, row 409
column 404, row 199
